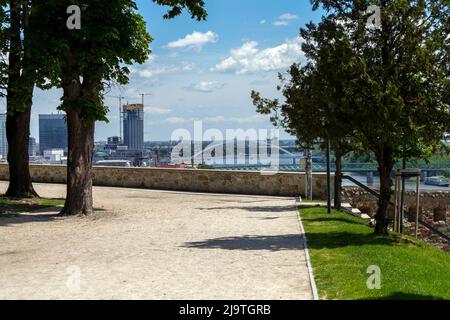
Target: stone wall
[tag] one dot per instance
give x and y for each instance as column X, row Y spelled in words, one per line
column 429, row 200
column 213, row 181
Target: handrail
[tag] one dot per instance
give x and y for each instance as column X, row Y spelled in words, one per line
column 361, row 185
column 376, row 194
column 427, row 225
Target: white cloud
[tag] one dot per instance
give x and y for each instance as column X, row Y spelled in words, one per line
column 262, row 22
column 187, row 66
column 155, row 110
column 280, row 23
column 156, row 70
column 284, row 20
column 194, row 40
column 206, row 86
column 236, row 120
column 216, row 119
column 250, row 119
column 220, row 119
column 151, row 69
column 176, row 120
column 288, row 16
column 250, row 59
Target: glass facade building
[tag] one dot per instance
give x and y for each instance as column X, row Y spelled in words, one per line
column 52, row 132
column 133, row 126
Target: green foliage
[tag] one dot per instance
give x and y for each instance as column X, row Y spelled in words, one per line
column 385, row 88
column 17, row 71
column 90, row 109
column 342, row 247
column 395, row 78
column 316, row 107
column 112, row 35
column 381, row 90
column 195, row 7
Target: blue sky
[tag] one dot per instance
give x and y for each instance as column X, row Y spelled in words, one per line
column 206, row 70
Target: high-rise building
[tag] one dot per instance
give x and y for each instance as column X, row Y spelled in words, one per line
column 3, row 139
column 32, row 149
column 52, row 132
column 133, row 126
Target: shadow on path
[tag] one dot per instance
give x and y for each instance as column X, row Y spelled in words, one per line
column 27, row 218
column 289, row 208
column 245, row 243
column 45, row 214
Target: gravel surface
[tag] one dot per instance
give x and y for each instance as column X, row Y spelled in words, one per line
column 143, row 244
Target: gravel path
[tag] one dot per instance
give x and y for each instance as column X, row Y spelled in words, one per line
column 143, row 244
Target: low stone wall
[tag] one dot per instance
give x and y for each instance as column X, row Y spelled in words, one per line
column 429, row 200
column 212, row 181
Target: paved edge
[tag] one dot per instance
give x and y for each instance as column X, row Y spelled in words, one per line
column 312, row 282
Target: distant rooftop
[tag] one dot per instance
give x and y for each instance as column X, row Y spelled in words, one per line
column 133, row 107
column 56, row 116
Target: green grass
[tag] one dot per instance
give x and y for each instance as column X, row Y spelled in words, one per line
column 342, row 247
column 14, row 206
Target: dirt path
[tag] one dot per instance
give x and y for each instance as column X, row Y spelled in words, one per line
column 145, row 244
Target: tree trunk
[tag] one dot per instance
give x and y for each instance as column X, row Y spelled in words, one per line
column 386, row 163
column 19, row 101
column 308, row 170
column 81, row 130
column 79, row 165
column 18, row 134
column 338, row 181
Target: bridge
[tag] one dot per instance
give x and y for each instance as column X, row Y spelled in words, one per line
column 347, row 167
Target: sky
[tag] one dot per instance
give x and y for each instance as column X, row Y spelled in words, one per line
column 205, row 70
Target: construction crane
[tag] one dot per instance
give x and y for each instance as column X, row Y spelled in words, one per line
column 143, row 97
column 120, row 113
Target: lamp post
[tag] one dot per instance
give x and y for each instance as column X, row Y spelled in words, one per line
column 328, row 177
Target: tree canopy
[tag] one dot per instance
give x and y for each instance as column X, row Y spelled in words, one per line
column 385, row 86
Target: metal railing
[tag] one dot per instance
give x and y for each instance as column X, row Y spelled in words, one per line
column 377, row 195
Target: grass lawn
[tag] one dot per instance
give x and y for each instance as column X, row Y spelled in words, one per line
column 342, row 247
column 13, row 206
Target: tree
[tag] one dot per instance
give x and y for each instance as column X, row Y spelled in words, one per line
column 18, row 80
column 112, row 35
column 397, row 79
column 390, row 84
column 307, row 114
column 328, row 53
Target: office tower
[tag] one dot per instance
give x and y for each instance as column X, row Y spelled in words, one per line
column 32, row 149
column 133, row 126
column 52, row 132
column 3, row 139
